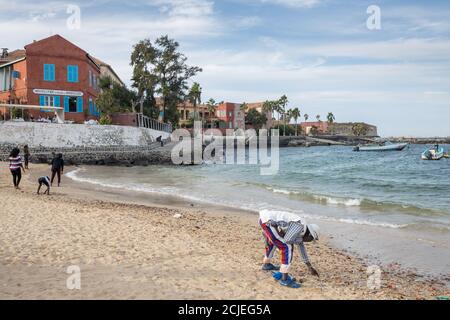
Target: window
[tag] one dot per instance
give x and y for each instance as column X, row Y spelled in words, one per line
column 6, row 81
column 49, row 72
column 90, row 78
column 49, row 101
column 72, row 73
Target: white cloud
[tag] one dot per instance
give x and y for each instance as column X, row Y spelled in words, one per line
column 294, row 3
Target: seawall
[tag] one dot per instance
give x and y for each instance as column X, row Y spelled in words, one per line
column 85, row 144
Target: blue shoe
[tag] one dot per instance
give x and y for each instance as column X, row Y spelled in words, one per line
column 290, row 284
column 278, row 275
column 270, row 267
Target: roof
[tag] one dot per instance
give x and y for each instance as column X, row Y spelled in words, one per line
column 13, row 56
column 104, row 64
column 11, row 62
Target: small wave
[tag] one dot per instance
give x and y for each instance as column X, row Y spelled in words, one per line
column 74, row 175
column 344, row 220
column 338, row 201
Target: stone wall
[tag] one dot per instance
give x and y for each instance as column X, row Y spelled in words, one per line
column 346, row 129
column 45, row 135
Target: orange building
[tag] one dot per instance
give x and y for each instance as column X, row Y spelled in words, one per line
column 51, row 72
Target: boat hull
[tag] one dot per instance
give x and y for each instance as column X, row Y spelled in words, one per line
column 392, row 147
column 435, row 155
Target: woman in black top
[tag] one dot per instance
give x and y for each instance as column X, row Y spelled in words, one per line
column 57, row 168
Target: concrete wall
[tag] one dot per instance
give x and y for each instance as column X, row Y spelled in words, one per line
column 38, row 135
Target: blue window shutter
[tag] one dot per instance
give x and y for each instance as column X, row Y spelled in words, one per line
column 66, row 104
column 80, row 104
column 42, row 100
column 75, row 70
column 49, row 72
column 52, row 72
column 45, row 72
column 69, row 73
column 91, row 106
column 57, row 101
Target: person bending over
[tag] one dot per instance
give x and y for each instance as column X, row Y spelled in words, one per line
column 283, row 230
column 57, row 168
column 44, row 181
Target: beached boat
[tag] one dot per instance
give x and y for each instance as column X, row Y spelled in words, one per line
column 385, row 146
column 433, row 154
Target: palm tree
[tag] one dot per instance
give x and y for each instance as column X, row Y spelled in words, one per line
column 306, row 116
column 195, row 97
column 282, row 103
column 318, row 117
column 295, row 114
column 212, row 106
column 330, row 117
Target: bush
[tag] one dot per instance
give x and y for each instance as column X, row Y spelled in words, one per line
column 105, row 120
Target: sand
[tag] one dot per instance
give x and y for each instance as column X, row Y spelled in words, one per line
column 131, row 251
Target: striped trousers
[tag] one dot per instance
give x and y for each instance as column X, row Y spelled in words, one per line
column 274, row 241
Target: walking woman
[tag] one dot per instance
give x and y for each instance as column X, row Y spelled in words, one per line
column 16, row 167
column 57, row 168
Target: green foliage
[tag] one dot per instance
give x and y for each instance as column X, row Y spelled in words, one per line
column 159, row 68
column 360, row 129
column 330, row 117
column 256, row 119
column 114, row 98
column 105, row 120
column 290, row 130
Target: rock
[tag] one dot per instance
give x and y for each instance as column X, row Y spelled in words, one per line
column 177, row 216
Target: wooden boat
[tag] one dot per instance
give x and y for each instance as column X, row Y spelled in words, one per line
column 386, row 146
column 433, row 154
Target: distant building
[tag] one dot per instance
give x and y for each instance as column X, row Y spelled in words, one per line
column 107, row 71
column 335, row 128
column 52, row 72
column 230, row 116
column 259, row 106
column 310, row 127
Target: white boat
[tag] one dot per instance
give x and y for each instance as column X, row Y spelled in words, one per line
column 386, row 146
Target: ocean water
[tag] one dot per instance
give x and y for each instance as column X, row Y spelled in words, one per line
column 391, row 189
column 399, row 203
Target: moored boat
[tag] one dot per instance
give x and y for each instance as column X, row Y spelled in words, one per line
column 386, row 146
column 435, row 153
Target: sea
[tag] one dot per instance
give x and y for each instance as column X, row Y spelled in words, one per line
column 391, row 207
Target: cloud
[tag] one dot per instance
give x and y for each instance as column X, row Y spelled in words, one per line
column 294, row 3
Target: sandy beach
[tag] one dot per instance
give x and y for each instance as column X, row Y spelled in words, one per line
column 160, row 251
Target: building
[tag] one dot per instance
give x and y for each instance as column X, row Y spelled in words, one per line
column 52, row 72
column 107, row 71
column 320, row 127
column 259, row 106
column 336, row 128
column 186, row 111
column 230, row 116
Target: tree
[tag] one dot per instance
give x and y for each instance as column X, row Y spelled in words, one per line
column 212, row 106
column 244, row 107
column 268, row 108
column 360, row 129
column 160, row 68
column 114, row 98
column 295, row 114
column 318, row 117
column 195, row 97
column 143, row 59
column 256, row 118
column 282, row 107
column 306, row 116
column 330, row 117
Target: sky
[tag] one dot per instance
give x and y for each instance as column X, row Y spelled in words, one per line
column 320, row 53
